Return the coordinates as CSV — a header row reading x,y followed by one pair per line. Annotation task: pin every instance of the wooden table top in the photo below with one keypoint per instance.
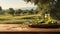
x,y
24,28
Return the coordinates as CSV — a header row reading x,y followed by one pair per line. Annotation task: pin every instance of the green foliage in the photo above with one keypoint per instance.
x,y
43,5
0,8
50,6
1,11
39,1
55,13
11,11
18,12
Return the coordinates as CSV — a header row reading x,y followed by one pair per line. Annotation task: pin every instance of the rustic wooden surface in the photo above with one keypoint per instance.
x,y
24,28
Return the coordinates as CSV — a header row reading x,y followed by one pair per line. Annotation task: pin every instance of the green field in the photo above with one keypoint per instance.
x,y
8,19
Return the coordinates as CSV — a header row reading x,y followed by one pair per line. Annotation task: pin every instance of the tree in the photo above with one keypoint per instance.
x,y
11,11
0,8
31,11
26,12
18,12
1,11
55,13
36,12
43,6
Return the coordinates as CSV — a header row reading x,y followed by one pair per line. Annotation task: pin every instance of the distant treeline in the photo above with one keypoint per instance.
x,y
17,12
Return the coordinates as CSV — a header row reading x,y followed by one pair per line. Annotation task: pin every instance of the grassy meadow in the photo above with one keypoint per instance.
x,y
9,19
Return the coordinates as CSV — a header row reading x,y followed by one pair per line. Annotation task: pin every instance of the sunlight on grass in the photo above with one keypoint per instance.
x,y
16,19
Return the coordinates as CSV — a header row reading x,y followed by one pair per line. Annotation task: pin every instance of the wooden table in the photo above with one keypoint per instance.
x,y
18,28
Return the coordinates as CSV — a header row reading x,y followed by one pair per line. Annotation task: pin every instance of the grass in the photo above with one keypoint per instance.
x,y
8,19
23,19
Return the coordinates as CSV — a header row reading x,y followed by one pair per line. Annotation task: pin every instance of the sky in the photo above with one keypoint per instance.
x,y
5,4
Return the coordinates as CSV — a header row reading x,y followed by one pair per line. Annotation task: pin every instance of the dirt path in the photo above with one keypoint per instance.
x,y
23,28
5,27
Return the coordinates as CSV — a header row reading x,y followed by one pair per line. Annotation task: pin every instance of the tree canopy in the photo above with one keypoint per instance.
x,y
42,5
50,6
